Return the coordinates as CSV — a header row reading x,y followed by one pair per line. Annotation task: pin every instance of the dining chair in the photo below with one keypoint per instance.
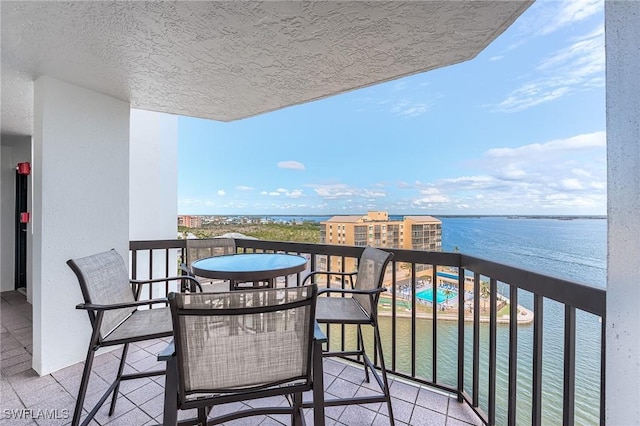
x,y
211,247
207,247
358,305
229,348
112,300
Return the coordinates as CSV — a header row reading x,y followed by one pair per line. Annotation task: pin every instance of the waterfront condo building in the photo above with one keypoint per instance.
x,y
375,229
190,221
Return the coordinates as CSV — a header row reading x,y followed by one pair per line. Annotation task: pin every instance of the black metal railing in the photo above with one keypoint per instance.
x,y
512,363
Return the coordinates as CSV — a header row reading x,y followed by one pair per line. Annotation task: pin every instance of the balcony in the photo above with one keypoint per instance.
x,y
50,399
515,366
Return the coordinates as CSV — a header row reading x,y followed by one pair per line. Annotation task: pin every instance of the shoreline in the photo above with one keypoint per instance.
x,y
525,316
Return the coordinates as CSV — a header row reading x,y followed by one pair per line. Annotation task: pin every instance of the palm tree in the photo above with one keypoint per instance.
x,y
447,293
485,291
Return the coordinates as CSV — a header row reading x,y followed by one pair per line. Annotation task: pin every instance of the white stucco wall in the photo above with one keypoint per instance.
x,y
81,206
15,149
153,192
622,32
153,199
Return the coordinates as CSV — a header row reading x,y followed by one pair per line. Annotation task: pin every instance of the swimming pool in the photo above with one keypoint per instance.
x,y
441,297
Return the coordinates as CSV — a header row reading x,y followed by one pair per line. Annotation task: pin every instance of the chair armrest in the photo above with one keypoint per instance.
x,y
167,353
351,274
94,307
354,291
318,334
186,270
160,280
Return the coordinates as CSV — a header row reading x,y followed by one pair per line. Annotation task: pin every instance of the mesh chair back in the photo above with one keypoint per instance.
x,y
235,341
104,280
371,267
198,249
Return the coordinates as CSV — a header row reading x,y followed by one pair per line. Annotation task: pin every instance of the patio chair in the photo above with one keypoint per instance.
x,y
112,302
229,348
359,305
210,247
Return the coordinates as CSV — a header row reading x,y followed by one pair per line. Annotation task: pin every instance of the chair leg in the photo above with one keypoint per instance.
x,y
84,383
385,381
202,416
297,415
361,346
318,385
170,416
114,398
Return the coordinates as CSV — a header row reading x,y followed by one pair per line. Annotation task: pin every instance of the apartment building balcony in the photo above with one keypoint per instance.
x,y
68,97
29,399
474,367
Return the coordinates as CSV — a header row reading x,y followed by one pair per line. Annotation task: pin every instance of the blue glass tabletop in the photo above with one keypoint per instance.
x,y
249,266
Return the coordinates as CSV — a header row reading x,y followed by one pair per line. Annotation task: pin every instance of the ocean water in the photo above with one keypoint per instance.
x,y
570,249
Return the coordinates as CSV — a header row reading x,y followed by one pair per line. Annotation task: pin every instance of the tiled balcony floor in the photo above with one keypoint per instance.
x,y
141,401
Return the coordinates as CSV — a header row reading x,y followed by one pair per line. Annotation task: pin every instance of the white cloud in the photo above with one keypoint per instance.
x,y
334,191
431,195
569,12
346,192
512,172
547,17
407,108
373,193
561,176
221,192
581,172
296,193
244,188
578,66
576,143
406,98
571,184
295,165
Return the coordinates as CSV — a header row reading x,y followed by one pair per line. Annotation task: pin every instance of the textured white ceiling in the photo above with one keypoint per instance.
x,y
230,60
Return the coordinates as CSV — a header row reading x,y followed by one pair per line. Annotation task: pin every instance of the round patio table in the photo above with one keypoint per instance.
x,y
249,267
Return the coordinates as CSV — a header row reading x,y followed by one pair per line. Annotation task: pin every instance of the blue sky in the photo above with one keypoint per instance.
x,y
520,129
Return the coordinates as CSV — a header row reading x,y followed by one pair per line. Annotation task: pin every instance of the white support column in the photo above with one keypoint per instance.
x,y
81,207
153,198
622,35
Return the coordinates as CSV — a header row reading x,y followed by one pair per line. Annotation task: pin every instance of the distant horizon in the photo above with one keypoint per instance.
x,y
595,216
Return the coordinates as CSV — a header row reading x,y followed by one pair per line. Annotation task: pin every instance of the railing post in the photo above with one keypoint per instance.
x,y
493,325
513,355
536,391
434,328
476,345
569,391
461,273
